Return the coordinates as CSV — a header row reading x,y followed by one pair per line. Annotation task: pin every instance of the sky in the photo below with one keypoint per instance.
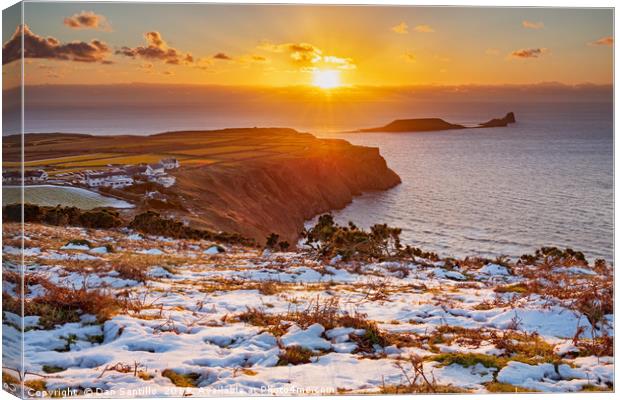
x,y
321,46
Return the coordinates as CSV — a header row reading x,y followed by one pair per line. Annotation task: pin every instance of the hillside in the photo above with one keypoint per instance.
x,y
252,181
112,309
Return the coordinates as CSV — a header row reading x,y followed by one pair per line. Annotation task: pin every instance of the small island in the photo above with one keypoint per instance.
x,y
437,124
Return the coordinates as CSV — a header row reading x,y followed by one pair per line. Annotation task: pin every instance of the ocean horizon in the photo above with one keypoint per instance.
x,y
545,181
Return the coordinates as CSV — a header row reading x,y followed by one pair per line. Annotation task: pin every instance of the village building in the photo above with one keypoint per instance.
x,y
114,179
134,170
30,176
164,180
11,177
170,163
155,169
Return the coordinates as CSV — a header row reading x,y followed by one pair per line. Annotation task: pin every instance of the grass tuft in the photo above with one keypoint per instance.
x,y
295,355
181,380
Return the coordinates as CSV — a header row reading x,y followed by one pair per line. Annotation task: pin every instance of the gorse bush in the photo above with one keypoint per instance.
x,y
350,242
63,216
554,255
153,223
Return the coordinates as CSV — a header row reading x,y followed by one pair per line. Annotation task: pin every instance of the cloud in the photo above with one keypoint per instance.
x,y
424,29
401,28
257,58
409,57
157,50
532,25
604,41
339,62
528,53
222,56
308,56
36,46
87,20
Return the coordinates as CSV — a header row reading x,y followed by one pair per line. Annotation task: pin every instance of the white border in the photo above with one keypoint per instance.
x,y
462,3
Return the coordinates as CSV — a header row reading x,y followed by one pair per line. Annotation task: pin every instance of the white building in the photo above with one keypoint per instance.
x,y
30,176
170,163
164,180
155,169
115,180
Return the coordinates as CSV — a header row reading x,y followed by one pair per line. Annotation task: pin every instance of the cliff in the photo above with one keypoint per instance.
x,y
266,196
499,122
252,181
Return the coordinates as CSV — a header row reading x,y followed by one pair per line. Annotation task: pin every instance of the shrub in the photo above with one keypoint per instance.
x,y
329,239
63,216
470,359
272,240
60,305
152,223
101,219
295,355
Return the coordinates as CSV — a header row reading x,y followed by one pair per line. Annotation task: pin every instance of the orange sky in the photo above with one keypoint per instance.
x,y
76,43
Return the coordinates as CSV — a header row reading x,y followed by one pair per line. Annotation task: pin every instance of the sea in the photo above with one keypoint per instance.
x,y
546,180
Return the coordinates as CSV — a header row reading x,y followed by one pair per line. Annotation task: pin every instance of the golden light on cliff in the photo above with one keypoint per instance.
x,y
326,78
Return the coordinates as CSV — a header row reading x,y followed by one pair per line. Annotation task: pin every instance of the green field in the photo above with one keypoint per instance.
x,y
49,195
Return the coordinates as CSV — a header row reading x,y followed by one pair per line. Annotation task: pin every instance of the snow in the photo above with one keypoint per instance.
x,y
99,250
466,377
494,269
553,321
213,250
309,338
518,373
190,320
442,273
16,251
574,270
153,252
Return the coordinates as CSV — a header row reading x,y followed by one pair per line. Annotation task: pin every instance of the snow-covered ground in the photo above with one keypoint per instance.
x,y
188,318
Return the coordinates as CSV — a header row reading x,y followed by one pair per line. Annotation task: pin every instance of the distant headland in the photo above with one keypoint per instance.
x,y
437,124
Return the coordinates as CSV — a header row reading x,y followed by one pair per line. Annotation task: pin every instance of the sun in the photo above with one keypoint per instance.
x,y
326,78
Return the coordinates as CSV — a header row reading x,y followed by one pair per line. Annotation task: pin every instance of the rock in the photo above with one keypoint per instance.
x,y
499,122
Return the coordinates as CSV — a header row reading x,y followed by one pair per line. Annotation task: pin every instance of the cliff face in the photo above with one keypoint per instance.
x,y
278,195
252,181
499,122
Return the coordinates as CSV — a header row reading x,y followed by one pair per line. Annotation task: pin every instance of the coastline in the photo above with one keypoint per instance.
x,y
251,181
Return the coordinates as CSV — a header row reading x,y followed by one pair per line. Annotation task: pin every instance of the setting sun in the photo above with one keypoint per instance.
x,y
326,78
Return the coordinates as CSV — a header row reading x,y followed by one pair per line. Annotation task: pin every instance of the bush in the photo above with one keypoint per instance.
x,y
329,239
60,305
63,216
100,219
152,223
